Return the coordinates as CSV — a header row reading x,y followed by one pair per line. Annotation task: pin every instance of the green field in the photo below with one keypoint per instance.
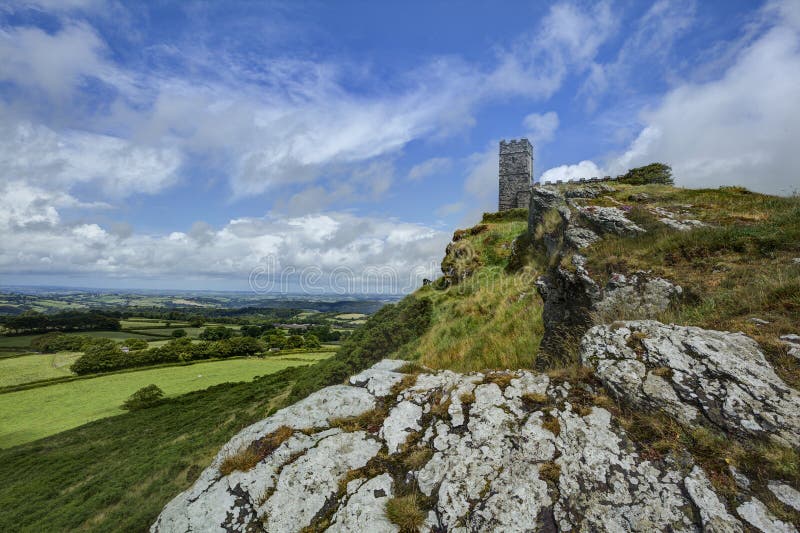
x,y
308,356
35,367
19,341
146,323
35,413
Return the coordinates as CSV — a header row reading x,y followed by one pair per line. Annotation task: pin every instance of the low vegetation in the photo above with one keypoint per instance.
x,y
405,513
148,396
117,473
490,319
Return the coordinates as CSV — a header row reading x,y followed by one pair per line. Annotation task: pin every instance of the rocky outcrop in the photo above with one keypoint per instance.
x,y
609,220
693,373
505,451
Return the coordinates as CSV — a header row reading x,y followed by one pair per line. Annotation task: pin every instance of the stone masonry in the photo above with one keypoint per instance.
x,y
516,173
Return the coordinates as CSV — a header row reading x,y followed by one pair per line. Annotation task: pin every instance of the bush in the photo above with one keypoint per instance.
x,y
657,173
509,215
178,333
58,342
143,398
216,333
100,357
135,344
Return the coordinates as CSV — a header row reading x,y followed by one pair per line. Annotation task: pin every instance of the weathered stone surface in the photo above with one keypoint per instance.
x,y
672,220
496,464
401,422
364,510
757,515
569,297
580,237
714,515
793,342
719,375
305,485
636,296
609,220
785,493
314,411
379,379
605,486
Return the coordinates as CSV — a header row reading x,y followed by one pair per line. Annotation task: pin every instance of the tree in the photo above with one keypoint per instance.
x,y
216,333
251,331
143,398
294,341
135,344
657,173
197,321
178,333
311,341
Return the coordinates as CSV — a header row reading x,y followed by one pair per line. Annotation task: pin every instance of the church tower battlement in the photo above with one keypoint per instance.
x,y
516,173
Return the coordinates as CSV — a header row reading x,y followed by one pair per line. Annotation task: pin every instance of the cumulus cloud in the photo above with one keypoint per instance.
x,y
430,167
541,127
741,128
584,169
39,155
38,241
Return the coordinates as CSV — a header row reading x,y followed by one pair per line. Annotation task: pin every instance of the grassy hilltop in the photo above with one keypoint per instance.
x,y
117,473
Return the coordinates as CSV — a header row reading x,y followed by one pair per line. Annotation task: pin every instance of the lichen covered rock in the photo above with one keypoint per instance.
x,y
506,451
691,372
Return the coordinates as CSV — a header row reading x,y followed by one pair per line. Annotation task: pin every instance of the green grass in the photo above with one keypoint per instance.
x,y
35,413
493,319
35,367
18,341
307,356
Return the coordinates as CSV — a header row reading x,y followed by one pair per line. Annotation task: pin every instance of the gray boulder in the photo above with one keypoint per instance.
x,y
691,372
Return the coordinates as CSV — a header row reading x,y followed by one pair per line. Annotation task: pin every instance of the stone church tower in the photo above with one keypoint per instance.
x,y
516,173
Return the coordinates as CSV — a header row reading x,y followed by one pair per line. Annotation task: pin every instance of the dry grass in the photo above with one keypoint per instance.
x,y
243,460
551,424
467,398
550,471
501,379
534,400
405,512
417,458
371,421
249,456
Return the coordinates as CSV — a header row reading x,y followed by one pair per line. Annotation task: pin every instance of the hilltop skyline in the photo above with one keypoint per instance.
x,y
182,145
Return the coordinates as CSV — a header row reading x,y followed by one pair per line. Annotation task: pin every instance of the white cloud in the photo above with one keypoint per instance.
x,y
286,121
430,167
584,169
740,129
39,156
541,127
34,241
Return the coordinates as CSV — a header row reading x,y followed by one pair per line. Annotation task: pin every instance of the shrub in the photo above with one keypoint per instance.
x,y
405,512
143,398
508,215
135,344
216,333
658,173
58,342
178,333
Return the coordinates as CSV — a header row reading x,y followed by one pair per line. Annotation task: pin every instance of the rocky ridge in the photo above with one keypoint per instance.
x,y
503,451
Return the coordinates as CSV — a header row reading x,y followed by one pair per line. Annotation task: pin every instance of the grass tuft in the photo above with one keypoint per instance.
x,y
405,512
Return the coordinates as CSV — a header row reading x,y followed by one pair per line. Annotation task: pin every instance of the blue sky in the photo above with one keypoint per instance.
x,y
184,144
